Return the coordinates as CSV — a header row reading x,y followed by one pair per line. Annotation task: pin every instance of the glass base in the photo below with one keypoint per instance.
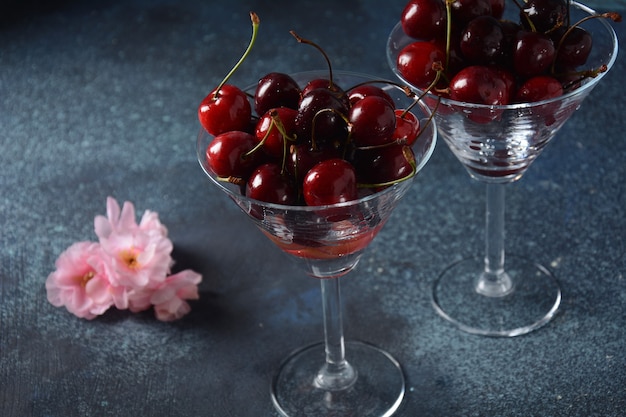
x,y
378,390
531,302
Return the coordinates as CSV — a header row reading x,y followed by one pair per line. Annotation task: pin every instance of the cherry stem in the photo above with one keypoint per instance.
x,y
232,180
592,73
255,30
448,30
319,48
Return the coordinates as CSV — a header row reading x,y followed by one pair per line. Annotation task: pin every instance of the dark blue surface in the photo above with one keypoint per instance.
x,y
99,98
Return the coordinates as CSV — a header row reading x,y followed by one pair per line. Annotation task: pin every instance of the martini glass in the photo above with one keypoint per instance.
x,y
496,144
333,377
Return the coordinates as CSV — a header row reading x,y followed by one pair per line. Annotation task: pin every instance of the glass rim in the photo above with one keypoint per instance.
x,y
391,58
200,154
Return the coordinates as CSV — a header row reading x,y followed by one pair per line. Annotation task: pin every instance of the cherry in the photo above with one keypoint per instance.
x,y
465,10
481,85
372,122
225,110
323,83
384,166
416,62
407,127
541,87
276,90
573,47
302,157
483,41
424,19
229,154
272,128
227,107
320,118
544,15
361,91
331,181
268,183
533,54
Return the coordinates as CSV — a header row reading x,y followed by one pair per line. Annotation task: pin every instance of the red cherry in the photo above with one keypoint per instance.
x,y
364,90
574,48
320,117
541,87
372,121
227,155
407,127
480,85
302,158
424,19
534,53
267,183
415,63
267,130
276,90
227,110
329,182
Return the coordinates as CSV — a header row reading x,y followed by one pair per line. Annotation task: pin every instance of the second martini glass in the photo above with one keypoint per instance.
x,y
496,144
333,377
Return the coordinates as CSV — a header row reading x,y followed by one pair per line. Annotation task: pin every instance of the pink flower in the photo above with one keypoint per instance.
x,y
169,298
140,254
128,268
81,281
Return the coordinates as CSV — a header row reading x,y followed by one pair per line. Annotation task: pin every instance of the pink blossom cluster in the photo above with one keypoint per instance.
x,y
129,268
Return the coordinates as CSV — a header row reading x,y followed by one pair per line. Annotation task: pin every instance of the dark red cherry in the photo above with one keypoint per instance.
x,y
483,41
480,85
324,83
267,183
276,90
227,110
385,165
415,62
465,10
320,118
424,19
545,15
270,127
331,181
228,154
302,158
372,122
573,47
533,54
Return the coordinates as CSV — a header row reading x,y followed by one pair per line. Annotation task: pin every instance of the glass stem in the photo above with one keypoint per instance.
x,y
494,281
336,374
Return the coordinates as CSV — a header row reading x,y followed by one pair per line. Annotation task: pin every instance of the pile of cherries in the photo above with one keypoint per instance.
x,y
466,51
315,144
